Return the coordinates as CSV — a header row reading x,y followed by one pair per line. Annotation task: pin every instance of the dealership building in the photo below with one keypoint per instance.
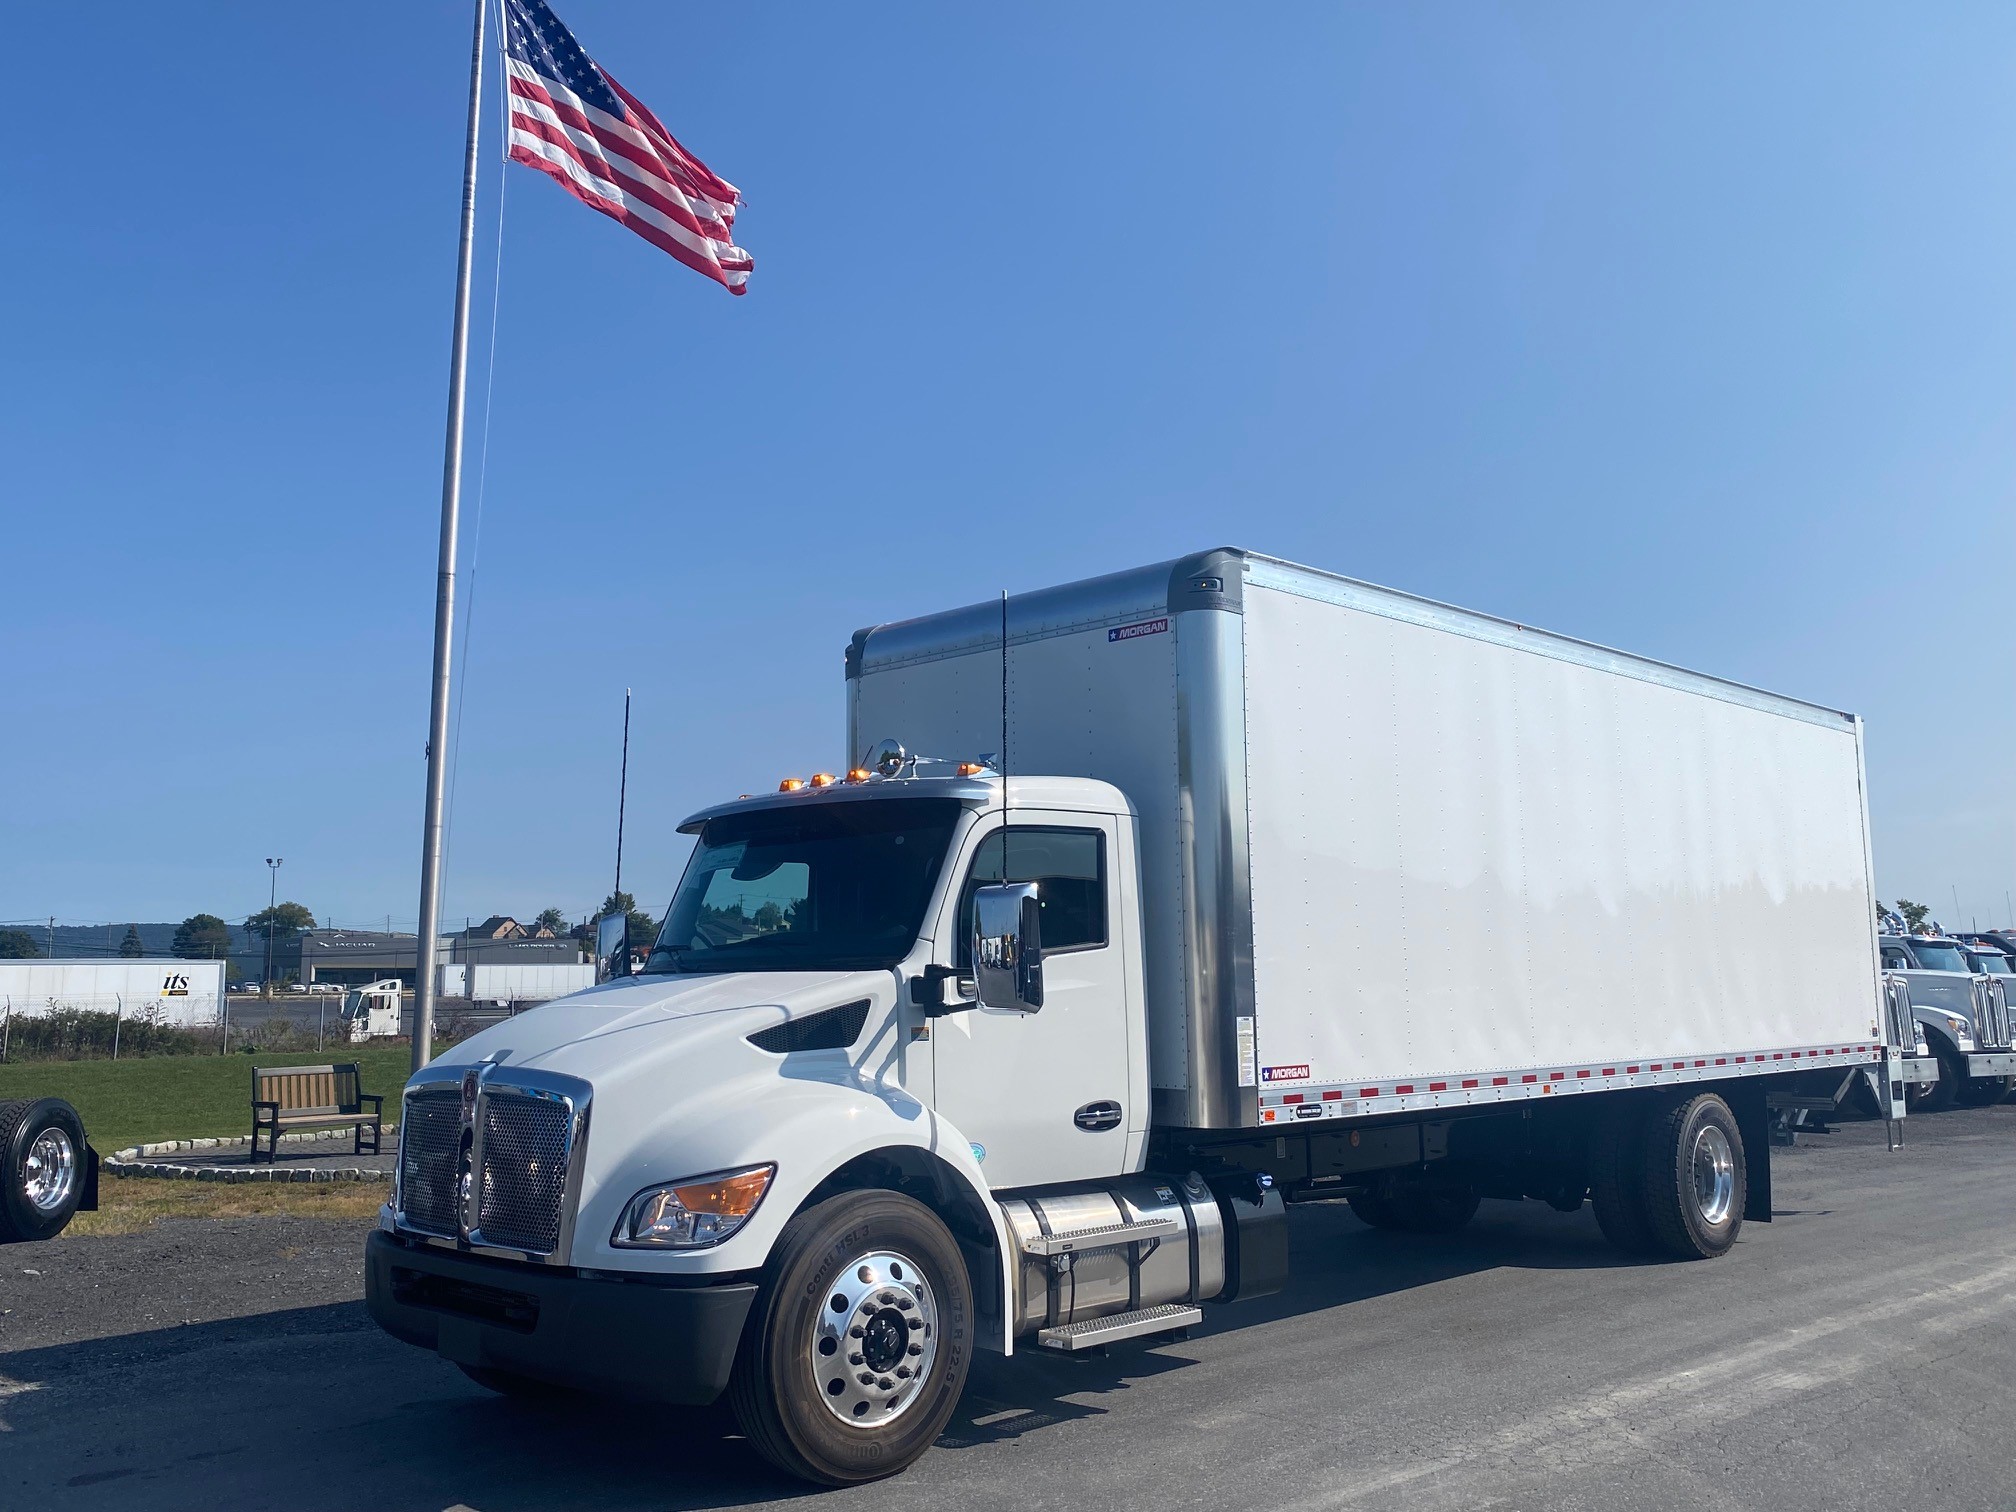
x,y
355,956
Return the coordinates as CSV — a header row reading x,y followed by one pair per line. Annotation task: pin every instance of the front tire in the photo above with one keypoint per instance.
x,y
857,1350
1943,1093
44,1167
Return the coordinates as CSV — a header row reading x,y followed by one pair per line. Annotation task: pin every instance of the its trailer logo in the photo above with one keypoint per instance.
x,y
1284,1073
175,984
1136,631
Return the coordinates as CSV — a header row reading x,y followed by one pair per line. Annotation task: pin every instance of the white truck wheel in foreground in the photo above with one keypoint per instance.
x,y
44,1167
1694,1178
858,1349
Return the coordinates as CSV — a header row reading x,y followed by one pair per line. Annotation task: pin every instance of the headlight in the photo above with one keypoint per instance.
x,y
694,1213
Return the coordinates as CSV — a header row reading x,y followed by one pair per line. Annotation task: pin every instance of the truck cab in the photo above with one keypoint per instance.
x,y
1964,1014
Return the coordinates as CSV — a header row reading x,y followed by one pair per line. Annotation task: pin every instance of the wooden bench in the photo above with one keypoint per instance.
x,y
293,1097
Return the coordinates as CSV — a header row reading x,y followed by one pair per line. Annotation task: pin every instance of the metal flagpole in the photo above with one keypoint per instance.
x,y
622,791
444,591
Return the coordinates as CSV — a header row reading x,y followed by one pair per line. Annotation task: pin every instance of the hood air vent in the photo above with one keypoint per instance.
x,y
829,1029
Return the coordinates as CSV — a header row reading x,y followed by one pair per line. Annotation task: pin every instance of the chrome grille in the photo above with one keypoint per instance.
x,y
524,1143
430,1150
1903,1022
1991,1014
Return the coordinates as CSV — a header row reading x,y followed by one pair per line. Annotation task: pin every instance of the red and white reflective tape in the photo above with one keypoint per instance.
x,y
1319,1100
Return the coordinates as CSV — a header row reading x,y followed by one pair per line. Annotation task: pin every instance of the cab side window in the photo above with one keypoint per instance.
x,y
1895,959
1069,866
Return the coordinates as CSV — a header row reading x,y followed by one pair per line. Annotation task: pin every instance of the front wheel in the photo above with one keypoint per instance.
x,y
858,1347
44,1167
1942,1094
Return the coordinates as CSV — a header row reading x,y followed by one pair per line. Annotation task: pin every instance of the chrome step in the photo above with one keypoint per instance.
x,y
1105,1236
1116,1326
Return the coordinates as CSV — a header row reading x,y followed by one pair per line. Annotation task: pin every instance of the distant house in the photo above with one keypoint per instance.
x,y
496,927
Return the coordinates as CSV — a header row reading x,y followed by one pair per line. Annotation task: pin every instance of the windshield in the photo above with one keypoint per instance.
x,y
1933,956
826,887
1991,961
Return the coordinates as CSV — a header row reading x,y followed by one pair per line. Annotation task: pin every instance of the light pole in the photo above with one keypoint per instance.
x,y
272,894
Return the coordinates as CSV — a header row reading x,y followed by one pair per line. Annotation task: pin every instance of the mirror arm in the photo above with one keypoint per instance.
x,y
928,991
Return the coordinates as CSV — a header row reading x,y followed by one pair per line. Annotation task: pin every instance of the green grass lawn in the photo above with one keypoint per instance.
x,y
132,1102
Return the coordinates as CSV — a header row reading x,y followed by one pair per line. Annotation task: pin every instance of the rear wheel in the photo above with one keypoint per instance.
x,y
1615,1190
44,1166
1694,1178
858,1347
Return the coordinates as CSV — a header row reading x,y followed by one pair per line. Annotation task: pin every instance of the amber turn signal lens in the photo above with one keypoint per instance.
x,y
822,779
729,1197
971,768
857,774
790,784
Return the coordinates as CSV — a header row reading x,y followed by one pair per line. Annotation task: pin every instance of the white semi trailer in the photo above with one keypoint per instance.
x,y
1294,889
187,994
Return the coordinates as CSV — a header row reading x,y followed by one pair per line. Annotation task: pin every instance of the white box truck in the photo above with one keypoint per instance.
x,y
186,994
1294,889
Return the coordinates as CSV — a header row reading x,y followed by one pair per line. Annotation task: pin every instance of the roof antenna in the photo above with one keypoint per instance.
x,y
1004,729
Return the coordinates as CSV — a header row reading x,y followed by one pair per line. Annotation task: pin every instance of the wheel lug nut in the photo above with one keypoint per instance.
x,y
902,1372
855,1332
886,1384
915,1322
916,1349
866,1378
906,1304
854,1359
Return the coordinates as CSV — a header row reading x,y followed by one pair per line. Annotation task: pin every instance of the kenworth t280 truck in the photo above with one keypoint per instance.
x,y
1142,910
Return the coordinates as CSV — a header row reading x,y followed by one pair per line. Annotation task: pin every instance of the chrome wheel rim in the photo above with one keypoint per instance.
x,y
1714,1175
51,1171
875,1339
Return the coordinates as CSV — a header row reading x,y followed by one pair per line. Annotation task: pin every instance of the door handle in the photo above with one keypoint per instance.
x,y
1096,1117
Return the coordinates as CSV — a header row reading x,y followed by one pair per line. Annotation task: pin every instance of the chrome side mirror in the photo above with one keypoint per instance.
x,y
612,947
1008,947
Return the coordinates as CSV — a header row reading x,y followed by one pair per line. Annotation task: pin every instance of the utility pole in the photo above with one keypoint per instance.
x,y
272,900
52,937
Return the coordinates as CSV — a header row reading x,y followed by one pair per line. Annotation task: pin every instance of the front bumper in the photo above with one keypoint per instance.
x,y
1919,1070
1992,1063
672,1344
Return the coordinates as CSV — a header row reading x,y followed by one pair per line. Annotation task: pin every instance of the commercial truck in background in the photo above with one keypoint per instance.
x,y
1963,1014
1143,910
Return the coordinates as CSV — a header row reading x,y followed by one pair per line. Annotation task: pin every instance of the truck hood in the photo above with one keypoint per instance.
x,y
591,1033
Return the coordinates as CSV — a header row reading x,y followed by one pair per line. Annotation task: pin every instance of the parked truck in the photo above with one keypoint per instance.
x,y
1964,1015
1145,909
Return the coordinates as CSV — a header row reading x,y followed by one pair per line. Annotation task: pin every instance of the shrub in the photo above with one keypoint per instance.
x,y
82,1034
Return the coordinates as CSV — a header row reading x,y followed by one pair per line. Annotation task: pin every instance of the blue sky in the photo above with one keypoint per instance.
x,y
1688,333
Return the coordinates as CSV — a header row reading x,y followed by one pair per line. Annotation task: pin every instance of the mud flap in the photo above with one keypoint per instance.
x,y
1753,1122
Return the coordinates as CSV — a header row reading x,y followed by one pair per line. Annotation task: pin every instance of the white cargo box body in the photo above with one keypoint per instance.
x,y
528,983
1398,855
189,994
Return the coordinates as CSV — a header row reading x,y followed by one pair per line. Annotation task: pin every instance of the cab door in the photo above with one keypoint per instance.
x,y
1043,1096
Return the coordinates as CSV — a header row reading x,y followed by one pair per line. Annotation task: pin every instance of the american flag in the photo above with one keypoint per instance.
x,y
571,120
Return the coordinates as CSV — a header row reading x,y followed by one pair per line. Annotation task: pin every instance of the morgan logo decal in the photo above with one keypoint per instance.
x,y
1136,630
1284,1073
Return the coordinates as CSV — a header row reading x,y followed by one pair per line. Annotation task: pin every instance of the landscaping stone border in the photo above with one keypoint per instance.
x,y
144,1160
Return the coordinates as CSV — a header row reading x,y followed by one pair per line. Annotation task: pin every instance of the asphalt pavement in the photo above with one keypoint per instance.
x,y
1859,1352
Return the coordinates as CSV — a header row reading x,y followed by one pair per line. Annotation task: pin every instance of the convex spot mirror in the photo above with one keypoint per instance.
x,y
1008,947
